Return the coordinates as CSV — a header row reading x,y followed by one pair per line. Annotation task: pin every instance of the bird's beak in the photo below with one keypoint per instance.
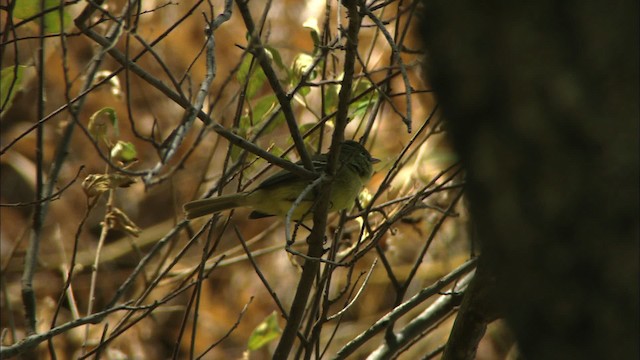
x,y
375,161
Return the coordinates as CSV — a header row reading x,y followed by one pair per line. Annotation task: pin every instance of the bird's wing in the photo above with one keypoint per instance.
x,y
284,176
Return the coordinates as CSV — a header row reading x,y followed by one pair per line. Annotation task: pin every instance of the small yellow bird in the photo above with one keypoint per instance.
x,y
276,194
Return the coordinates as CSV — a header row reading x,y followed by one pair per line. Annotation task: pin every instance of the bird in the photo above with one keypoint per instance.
x,y
276,195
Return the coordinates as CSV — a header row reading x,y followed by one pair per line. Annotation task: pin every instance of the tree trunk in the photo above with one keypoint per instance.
x,y
542,103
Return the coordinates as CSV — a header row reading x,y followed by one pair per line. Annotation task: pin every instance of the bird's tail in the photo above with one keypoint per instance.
x,y
197,208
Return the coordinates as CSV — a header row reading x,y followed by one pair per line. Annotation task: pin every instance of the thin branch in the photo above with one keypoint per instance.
x,y
398,59
52,197
443,306
39,213
144,261
183,102
32,341
477,310
404,308
226,335
260,53
272,292
315,239
357,295
170,147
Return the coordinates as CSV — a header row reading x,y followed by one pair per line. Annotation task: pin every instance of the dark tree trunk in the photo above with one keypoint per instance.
x,y
542,103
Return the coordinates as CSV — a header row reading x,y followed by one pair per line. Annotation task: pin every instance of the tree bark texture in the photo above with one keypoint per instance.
x,y
542,103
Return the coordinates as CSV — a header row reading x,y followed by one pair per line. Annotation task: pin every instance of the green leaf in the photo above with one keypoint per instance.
x,y
331,95
312,25
302,63
277,121
25,9
114,83
256,113
244,125
243,70
263,108
259,112
99,124
304,91
10,83
235,152
267,331
361,86
275,56
360,107
243,132
252,75
311,140
124,152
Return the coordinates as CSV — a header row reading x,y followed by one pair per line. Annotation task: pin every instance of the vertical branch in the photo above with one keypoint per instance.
x,y
107,223
315,240
344,97
28,295
476,311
